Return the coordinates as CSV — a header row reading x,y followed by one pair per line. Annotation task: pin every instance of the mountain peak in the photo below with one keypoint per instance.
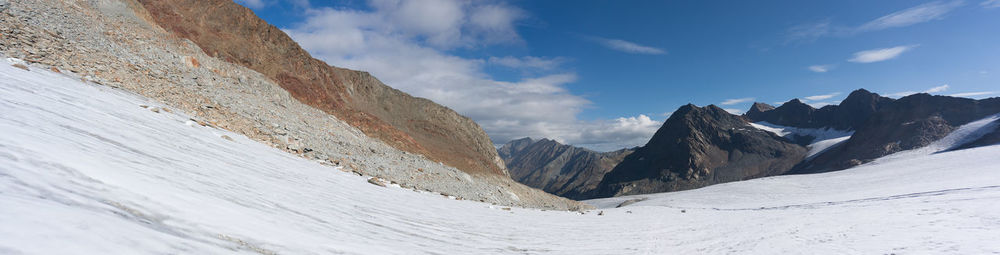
x,y
762,107
525,139
757,109
794,102
860,91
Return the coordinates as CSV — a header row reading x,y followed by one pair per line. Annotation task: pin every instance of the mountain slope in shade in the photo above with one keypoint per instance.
x,y
697,147
233,33
556,168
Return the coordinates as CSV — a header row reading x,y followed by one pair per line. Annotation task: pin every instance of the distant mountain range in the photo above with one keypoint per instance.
x,y
558,168
701,146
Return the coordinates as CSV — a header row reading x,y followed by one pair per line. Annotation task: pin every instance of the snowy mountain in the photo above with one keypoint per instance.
x,y
85,169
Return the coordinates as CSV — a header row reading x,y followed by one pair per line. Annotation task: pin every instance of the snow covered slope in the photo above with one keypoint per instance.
x,y
85,170
824,138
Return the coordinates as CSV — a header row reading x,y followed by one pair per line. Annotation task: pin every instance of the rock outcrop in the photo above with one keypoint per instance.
x,y
556,168
228,31
697,147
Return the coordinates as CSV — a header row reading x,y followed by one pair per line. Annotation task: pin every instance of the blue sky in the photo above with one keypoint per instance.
x,y
605,74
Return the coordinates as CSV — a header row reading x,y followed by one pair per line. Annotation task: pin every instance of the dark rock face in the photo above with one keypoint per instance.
x,y
908,123
848,115
757,110
697,147
557,168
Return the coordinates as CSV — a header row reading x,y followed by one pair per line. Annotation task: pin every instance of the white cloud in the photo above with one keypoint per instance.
x,y
736,101
252,4
809,32
937,89
973,94
877,55
820,68
821,97
902,94
733,111
616,134
933,90
817,101
528,62
628,47
989,4
405,44
821,104
914,15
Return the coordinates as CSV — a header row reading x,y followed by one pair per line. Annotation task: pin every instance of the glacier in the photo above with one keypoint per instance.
x,y
84,169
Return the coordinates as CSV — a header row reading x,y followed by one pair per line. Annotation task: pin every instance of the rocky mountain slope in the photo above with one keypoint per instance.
x,y
556,168
848,115
907,123
228,31
116,43
881,125
702,146
697,147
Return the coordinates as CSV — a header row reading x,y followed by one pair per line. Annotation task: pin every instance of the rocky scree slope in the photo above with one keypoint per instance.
x,y
697,147
226,30
557,168
117,44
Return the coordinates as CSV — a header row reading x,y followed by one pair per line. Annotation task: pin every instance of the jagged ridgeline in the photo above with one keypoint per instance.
x,y
701,146
557,168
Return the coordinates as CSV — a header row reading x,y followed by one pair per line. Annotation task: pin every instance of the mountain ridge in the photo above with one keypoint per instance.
x,y
231,32
697,147
560,169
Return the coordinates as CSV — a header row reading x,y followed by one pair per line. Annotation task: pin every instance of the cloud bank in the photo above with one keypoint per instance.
x,y
406,44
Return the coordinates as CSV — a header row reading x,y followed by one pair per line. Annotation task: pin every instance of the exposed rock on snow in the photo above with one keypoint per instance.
x,y
376,181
